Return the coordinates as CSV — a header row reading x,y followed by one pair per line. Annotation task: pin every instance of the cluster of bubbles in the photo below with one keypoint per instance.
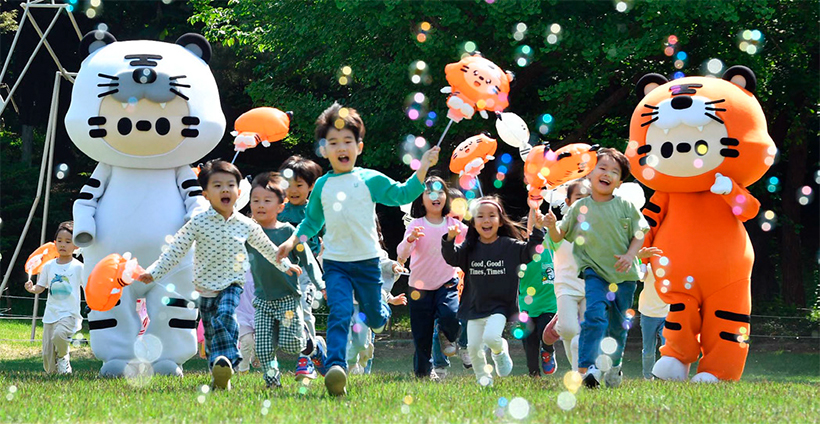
x,y
415,106
750,41
303,389
743,338
12,390
77,340
405,404
502,170
805,195
519,31
545,123
204,390
423,31
62,171
554,34
622,6
523,55
413,147
524,326
266,404
468,48
138,373
345,76
773,185
420,73
767,219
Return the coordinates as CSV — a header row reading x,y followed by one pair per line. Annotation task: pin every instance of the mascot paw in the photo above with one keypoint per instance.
x,y
704,377
669,368
167,367
113,368
723,185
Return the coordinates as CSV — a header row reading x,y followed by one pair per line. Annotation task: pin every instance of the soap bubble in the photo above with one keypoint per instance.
x,y
147,348
603,362
566,401
609,345
519,408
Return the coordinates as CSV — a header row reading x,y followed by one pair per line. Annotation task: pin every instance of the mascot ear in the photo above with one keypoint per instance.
x,y
649,82
197,44
741,76
94,41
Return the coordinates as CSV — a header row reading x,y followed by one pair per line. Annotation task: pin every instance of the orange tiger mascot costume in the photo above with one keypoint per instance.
x,y
698,142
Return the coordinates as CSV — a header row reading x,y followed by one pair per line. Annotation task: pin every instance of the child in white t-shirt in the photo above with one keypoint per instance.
x,y
62,277
653,316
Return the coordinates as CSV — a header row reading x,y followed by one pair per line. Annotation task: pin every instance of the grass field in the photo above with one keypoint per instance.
x,y
779,385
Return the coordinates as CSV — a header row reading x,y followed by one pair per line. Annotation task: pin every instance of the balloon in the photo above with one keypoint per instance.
x,y
512,129
471,155
107,279
545,168
476,84
244,194
36,261
631,192
261,125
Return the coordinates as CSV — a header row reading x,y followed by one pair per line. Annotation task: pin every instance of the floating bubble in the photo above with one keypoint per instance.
x,y
204,389
609,345
194,295
523,55
200,398
499,412
147,348
610,296
805,195
485,381
714,66
337,206
405,409
408,400
502,402
573,380
488,369
415,105
630,313
552,39
613,287
9,397
603,363
566,401
669,50
519,408
469,47
415,295
660,273
170,287
750,41
580,240
12,389
90,13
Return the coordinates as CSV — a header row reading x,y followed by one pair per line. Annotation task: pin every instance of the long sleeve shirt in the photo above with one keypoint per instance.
x,y
294,215
491,273
346,203
428,270
273,284
220,257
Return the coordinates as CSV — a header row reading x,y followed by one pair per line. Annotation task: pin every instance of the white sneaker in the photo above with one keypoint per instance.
x,y
503,362
63,365
592,378
441,372
221,373
613,377
366,355
465,359
356,369
336,381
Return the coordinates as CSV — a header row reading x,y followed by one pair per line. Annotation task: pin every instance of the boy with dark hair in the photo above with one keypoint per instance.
x,y
301,175
278,317
607,241
220,261
346,200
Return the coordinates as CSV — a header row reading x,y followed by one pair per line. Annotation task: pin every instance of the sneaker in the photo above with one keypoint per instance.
x,y
448,348
548,364
592,378
613,377
440,372
305,369
276,383
221,373
319,355
366,355
63,365
379,330
356,369
465,359
336,380
503,362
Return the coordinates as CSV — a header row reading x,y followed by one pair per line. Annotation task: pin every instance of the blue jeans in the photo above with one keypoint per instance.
x,y
344,280
603,318
220,324
441,304
439,360
651,329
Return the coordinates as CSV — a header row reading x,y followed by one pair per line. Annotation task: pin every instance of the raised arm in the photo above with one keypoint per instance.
x,y
85,207
452,254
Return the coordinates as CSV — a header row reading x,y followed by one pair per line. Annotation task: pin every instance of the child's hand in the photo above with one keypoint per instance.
x,y
453,232
146,278
430,157
550,219
398,268
418,232
324,294
648,252
293,269
538,219
624,263
29,286
399,300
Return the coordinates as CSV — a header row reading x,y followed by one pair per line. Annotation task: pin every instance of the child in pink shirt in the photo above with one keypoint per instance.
x,y
433,283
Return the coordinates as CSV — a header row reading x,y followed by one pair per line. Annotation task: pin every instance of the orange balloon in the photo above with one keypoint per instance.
x,y
36,261
476,84
108,278
471,155
261,125
547,169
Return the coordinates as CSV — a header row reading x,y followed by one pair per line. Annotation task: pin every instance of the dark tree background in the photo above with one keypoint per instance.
x,y
576,61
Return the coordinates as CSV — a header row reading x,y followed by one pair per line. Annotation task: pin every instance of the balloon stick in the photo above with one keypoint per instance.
x,y
445,133
235,156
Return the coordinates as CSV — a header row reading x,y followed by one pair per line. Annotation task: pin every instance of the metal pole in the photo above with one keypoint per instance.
x,y
13,44
48,47
30,59
51,132
74,24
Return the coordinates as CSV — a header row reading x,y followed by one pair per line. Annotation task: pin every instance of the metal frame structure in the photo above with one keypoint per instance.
x,y
47,161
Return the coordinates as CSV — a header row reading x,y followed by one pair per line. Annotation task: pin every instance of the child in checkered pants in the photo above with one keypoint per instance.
x,y
278,319
220,258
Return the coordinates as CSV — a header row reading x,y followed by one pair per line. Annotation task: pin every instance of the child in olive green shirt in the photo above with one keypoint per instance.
x,y
536,299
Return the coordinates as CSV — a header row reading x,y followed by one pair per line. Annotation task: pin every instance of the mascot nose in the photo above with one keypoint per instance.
x,y
144,76
682,102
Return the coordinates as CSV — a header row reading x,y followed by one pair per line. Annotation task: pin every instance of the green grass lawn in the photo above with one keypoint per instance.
x,y
779,385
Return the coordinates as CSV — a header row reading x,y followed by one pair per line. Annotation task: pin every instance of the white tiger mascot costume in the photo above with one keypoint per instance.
x,y
144,110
